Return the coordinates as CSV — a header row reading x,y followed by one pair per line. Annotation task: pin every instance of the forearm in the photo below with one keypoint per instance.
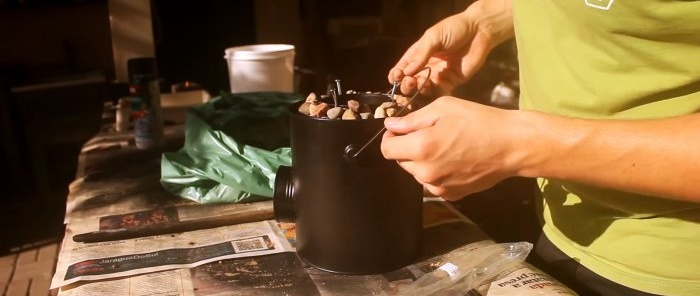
x,y
658,157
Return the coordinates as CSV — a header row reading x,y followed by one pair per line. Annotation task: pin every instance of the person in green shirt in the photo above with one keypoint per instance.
x,y
608,123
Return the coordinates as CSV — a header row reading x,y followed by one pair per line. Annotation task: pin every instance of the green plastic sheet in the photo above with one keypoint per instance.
x,y
234,144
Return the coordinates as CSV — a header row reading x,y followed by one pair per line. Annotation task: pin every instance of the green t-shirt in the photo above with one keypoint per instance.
x,y
616,59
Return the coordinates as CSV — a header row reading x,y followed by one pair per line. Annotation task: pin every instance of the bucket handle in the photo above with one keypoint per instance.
x,y
351,151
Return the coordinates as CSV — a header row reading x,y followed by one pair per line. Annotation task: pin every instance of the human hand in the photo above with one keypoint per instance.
x,y
454,48
453,147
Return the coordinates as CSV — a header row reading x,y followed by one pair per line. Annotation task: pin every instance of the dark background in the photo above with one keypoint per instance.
x,y
67,45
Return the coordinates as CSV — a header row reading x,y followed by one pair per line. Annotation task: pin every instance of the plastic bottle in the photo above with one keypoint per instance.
x,y
144,90
123,115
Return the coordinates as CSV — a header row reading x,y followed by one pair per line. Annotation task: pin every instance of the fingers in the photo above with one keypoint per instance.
x,y
397,73
427,193
475,58
398,147
414,136
435,190
410,123
415,58
406,136
409,84
441,191
431,189
413,62
425,85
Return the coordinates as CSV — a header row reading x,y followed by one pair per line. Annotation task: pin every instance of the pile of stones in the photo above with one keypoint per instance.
x,y
399,105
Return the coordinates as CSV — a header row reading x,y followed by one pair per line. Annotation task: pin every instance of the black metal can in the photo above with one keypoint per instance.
x,y
354,214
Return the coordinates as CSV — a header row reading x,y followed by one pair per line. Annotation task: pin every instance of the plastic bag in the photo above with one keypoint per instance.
x,y
468,267
233,146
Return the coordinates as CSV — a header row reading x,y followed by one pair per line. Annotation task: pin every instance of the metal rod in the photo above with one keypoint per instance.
x,y
337,86
393,90
335,98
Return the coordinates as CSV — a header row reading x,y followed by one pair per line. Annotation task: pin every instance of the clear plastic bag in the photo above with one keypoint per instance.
x,y
468,267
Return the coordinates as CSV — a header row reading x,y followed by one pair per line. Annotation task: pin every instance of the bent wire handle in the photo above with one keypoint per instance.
x,y
351,152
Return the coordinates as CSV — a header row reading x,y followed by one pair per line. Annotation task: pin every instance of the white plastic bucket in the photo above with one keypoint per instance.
x,y
262,67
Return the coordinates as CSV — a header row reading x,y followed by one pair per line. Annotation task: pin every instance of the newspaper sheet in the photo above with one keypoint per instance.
x,y
104,260
86,268
169,282
284,273
128,257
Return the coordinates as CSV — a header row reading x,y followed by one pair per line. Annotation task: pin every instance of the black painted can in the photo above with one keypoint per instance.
x,y
353,215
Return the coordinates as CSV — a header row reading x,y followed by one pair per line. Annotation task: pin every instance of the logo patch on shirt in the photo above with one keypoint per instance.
x,y
600,4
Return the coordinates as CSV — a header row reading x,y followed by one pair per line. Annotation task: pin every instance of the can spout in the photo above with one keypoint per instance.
x,y
284,195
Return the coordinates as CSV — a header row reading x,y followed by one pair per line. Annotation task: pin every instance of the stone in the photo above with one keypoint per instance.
x,y
318,110
354,105
334,113
391,112
387,105
349,115
304,108
311,98
379,112
403,101
315,107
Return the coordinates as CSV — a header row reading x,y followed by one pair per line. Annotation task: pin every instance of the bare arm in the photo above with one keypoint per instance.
x,y
456,147
659,157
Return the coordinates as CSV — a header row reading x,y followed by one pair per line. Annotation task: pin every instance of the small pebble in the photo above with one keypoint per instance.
x,y
387,105
304,108
403,101
349,115
354,105
334,113
379,112
318,110
311,98
316,107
